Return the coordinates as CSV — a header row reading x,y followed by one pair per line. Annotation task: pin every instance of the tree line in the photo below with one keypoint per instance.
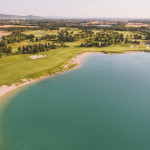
x,y
36,48
107,38
16,37
104,39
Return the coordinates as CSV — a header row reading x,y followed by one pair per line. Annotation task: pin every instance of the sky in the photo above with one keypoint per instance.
x,y
78,8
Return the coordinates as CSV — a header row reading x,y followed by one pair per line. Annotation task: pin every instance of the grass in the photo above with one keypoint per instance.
x,y
17,67
24,43
4,33
9,26
40,33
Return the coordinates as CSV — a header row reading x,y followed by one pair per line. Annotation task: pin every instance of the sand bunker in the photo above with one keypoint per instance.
x,y
37,56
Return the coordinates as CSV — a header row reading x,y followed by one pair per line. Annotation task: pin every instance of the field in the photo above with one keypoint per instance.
x,y
24,43
17,67
40,33
137,25
9,26
3,33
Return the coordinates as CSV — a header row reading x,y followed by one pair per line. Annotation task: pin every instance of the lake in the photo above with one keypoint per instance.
x,y
103,105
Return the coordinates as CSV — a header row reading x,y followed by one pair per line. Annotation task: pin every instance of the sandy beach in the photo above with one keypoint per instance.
x,y
79,58
76,60
6,89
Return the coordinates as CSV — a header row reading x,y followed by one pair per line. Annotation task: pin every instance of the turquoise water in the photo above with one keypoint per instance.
x,y
104,105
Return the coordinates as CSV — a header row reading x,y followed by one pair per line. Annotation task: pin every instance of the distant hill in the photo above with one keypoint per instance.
x,y
14,17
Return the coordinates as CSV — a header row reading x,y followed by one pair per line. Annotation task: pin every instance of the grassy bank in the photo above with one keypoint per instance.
x,y
17,67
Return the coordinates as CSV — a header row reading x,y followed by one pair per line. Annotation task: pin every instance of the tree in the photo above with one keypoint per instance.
x,y
1,52
32,40
19,50
126,41
36,39
3,43
9,50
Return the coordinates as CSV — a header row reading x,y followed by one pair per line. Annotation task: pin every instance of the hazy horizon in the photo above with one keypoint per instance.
x,y
78,8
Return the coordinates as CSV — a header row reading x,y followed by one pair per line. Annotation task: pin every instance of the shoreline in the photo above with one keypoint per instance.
x,y
4,90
